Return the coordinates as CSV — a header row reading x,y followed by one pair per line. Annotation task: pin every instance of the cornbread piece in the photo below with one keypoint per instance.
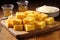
x,y
43,16
17,21
49,20
33,15
36,25
20,15
18,27
38,17
9,23
28,12
36,12
28,20
29,27
40,25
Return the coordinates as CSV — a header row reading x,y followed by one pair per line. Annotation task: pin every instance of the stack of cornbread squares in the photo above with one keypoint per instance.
x,y
29,21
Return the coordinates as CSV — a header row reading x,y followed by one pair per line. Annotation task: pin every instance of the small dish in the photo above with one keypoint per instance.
x,y
50,10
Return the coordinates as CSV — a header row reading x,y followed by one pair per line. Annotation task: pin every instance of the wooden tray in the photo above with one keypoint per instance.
x,y
25,35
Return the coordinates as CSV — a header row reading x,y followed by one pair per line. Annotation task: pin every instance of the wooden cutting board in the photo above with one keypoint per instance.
x,y
25,35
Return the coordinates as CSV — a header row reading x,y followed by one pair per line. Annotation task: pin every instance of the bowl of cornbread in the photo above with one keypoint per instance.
x,y
29,21
50,10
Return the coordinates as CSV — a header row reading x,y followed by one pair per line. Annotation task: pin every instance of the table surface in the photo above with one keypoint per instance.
x,y
52,36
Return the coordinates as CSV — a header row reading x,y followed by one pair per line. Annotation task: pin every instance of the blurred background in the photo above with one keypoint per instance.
x,y
34,3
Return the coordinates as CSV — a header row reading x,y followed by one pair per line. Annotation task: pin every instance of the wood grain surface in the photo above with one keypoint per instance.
x,y
26,35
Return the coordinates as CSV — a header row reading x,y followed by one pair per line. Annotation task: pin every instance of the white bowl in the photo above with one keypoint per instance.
x,y
50,10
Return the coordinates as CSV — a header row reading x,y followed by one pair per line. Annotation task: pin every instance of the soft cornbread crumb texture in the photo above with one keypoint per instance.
x,y
29,27
32,14
20,15
31,20
18,27
40,25
9,23
28,20
17,21
41,17
49,20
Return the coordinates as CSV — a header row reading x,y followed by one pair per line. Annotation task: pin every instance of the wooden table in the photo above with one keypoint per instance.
x,y
5,35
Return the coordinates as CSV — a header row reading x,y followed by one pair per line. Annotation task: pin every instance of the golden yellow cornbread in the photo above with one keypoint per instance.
x,y
41,17
49,20
17,21
36,12
38,17
20,15
9,23
33,15
40,25
18,27
28,12
28,20
29,27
